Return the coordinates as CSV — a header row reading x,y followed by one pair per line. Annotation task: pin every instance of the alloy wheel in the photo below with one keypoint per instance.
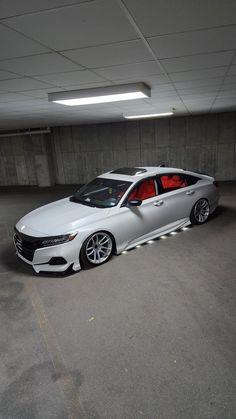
x,y
98,248
201,210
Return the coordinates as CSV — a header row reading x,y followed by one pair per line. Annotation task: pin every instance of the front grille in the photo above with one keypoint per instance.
x,y
26,245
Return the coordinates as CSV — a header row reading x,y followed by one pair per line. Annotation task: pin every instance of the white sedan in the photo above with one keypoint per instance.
x,y
115,212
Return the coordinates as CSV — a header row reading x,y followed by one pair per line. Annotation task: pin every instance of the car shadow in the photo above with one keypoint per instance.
x,y
10,263
227,215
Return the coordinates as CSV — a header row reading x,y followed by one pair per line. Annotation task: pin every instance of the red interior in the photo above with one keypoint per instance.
x,y
145,190
173,181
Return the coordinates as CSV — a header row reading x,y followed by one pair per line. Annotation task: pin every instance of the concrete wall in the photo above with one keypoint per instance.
x,y
26,160
204,143
76,154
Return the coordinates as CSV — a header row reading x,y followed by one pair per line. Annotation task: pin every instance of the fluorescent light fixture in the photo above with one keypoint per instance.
x,y
148,115
96,95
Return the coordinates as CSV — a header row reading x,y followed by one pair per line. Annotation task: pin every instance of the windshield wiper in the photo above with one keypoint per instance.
x,y
81,201
73,198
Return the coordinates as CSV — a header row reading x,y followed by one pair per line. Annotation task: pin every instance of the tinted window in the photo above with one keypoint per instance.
x,y
191,180
145,189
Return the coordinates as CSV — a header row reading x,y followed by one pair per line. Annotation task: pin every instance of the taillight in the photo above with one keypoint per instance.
x,y
216,183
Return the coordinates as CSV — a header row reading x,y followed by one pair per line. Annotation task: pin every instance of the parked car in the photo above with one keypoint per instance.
x,y
115,212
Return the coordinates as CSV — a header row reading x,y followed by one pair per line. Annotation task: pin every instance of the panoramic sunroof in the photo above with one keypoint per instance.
x,y
130,171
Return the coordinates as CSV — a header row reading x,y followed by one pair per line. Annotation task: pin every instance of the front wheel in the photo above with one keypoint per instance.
x,y
200,212
96,249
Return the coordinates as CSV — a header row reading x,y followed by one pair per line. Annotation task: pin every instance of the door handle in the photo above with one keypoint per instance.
x,y
158,203
190,192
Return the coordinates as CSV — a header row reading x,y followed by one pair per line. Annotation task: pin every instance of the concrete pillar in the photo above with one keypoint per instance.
x,y
43,159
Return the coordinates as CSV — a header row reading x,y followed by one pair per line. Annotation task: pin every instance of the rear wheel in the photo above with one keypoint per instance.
x,y
96,249
200,212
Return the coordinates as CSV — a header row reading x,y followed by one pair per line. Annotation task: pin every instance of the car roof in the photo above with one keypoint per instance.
x,y
141,172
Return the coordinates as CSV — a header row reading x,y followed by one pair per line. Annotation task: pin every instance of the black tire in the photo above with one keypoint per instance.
x,y
200,212
97,249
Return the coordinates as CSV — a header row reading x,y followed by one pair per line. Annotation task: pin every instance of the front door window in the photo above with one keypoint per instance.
x,y
144,190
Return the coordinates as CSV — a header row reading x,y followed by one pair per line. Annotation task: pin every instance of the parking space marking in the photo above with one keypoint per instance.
x,y
64,378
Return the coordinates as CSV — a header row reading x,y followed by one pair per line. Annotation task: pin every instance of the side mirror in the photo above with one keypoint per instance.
x,y
135,202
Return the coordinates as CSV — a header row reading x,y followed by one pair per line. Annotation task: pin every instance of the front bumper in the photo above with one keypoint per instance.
x,y
42,259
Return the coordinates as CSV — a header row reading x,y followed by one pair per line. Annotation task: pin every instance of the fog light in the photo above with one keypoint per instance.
x,y
57,261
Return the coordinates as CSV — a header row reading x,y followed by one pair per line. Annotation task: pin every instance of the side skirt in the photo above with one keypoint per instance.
x,y
154,234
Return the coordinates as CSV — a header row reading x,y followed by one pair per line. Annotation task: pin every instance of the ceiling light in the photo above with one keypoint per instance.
x,y
148,115
101,94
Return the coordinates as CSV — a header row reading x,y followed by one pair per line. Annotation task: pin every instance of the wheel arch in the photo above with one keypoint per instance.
x,y
112,237
199,199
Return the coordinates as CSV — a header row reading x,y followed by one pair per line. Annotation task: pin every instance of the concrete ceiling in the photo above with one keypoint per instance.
x,y
184,49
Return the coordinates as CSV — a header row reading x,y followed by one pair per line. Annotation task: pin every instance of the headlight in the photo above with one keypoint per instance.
x,y
52,241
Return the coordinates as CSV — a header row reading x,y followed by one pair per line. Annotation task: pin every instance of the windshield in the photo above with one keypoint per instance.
x,y
101,193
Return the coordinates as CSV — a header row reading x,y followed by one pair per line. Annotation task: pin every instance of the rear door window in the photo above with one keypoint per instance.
x,y
173,181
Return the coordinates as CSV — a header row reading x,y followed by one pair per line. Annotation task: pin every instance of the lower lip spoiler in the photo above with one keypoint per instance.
x,y
45,267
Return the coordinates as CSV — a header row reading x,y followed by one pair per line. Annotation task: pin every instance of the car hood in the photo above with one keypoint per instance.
x,y
60,217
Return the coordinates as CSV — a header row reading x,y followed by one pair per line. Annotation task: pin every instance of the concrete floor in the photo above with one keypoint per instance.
x,y
151,334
